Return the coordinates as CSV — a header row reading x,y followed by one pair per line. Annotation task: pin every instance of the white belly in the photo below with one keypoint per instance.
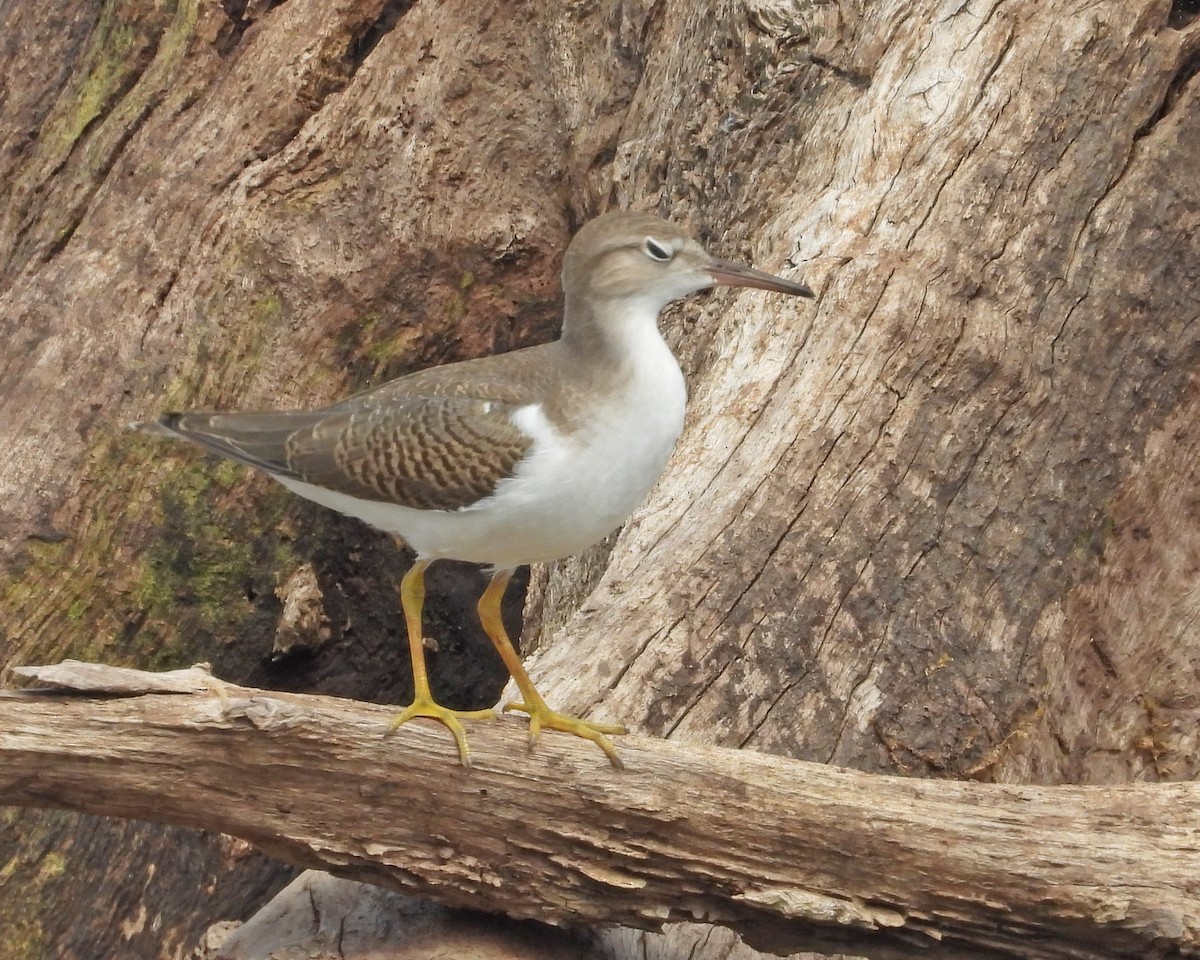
x,y
568,493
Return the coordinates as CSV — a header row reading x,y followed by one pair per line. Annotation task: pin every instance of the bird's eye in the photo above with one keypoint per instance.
x,y
657,251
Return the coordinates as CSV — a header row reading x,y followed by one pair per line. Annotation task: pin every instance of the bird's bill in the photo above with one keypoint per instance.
x,y
736,275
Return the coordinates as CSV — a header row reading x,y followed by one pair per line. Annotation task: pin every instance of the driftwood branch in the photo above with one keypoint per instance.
x,y
791,855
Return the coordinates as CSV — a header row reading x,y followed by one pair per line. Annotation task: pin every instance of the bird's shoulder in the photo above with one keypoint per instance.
x,y
507,380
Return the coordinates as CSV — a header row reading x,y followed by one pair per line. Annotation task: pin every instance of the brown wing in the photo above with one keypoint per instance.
x,y
431,453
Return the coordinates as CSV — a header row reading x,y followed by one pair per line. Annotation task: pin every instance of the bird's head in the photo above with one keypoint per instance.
x,y
636,257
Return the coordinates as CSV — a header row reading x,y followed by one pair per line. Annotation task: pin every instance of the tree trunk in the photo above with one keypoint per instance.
x,y
944,524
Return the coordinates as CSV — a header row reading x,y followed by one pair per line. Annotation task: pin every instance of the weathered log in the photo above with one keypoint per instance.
x,y
791,855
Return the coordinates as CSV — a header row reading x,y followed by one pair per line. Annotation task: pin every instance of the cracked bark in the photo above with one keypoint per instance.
x,y
944,526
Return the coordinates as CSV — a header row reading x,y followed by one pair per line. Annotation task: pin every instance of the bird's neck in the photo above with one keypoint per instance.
x,y
613,357
612,332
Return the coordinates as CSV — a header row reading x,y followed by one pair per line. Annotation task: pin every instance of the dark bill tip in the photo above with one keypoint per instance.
x,y
736,275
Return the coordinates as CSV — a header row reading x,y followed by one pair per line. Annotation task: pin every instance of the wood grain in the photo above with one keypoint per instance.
x,y
791,855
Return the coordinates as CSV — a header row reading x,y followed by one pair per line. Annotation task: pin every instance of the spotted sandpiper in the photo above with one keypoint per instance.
x,y
522,457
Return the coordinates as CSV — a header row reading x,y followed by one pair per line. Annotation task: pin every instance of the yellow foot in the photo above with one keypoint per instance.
x,y
422,707
542,718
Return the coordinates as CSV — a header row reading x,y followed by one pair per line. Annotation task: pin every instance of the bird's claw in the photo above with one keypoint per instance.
x,y
422,707
542,717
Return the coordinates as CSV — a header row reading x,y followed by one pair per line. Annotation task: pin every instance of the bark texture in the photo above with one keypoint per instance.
x,y
945,524
888,534
790,855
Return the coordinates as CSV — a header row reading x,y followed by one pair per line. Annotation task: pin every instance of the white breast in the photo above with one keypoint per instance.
x,y
573,490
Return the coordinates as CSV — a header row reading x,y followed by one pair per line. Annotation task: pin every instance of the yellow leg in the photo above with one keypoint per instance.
x,y
540,715
412,599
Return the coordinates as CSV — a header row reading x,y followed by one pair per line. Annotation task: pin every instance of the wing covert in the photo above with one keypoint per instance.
x,y
429,453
